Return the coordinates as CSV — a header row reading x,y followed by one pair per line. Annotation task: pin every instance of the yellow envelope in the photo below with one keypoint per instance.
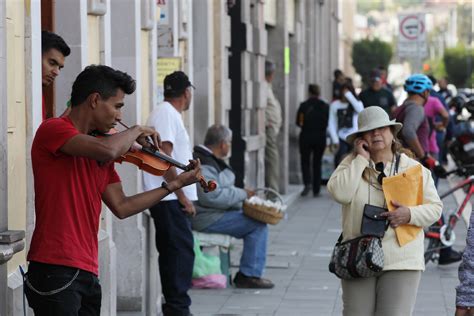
x,y
407,189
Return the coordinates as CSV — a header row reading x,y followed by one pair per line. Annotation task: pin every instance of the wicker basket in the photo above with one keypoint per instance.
x,y
262,213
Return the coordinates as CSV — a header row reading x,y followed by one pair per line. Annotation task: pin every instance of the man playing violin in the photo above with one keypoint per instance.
x,y
174,238
73,173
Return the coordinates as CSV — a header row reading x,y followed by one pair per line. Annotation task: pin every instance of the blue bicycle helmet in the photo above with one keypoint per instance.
x,y
417,83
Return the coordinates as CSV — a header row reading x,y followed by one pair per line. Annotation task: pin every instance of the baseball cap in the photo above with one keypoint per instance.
x,y
375,75
176,82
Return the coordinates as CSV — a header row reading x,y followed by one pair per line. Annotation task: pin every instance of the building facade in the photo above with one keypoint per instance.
x,y
221,44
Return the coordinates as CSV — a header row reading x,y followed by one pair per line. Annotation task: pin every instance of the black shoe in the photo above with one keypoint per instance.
x,y
447,257
306,191
315,194
245,282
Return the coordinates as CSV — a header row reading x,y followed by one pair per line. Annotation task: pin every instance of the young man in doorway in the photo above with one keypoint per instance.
x,y
54,51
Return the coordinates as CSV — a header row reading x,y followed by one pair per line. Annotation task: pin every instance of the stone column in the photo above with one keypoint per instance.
x,y
335,21
277,43
310,39
129,234
3,154
107,248
221,62
71,25
33,103
298,88
248,95
203,51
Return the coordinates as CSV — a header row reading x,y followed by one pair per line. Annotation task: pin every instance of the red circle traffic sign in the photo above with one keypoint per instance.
x,y
409,23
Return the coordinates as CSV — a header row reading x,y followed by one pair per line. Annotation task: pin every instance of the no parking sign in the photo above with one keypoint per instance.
x,y
412,35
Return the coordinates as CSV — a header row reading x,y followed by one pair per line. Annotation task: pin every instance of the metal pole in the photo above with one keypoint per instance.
x,y
418,55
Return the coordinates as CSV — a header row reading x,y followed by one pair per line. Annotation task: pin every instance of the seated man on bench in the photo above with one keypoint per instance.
x,y
220,211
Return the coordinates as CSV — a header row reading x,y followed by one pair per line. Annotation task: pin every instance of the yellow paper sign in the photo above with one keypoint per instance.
x,y
287,60
165,66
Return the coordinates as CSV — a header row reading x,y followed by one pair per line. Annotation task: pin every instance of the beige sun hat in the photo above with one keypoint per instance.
x,y
371,118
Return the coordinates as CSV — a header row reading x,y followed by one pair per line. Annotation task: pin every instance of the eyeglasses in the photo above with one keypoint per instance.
x,y
379,166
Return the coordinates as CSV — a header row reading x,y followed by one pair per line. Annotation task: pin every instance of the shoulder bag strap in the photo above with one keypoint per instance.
x,y
397,163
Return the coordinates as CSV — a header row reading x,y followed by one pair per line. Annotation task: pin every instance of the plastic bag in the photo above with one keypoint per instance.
x,y
212,281
204,264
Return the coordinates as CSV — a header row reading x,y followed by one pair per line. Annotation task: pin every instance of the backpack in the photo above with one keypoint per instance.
x,y
399,116
344,117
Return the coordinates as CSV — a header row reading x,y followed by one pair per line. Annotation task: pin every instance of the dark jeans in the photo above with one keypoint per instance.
x,y
344,149
82,297
174,242
312,145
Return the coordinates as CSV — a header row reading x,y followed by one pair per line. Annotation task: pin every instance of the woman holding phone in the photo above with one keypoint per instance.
x,y
357,181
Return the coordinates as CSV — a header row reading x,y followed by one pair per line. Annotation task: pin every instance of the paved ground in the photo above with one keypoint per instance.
x,y
298,256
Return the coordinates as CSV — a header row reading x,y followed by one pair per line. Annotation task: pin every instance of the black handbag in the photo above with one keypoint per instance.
x,y
372,223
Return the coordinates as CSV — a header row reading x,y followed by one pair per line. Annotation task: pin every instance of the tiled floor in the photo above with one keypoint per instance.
x,y
298,255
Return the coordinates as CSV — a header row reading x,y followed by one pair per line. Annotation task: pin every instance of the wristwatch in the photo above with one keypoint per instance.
x,y
164,185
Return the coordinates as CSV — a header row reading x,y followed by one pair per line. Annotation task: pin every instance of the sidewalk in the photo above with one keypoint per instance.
x,y
298,256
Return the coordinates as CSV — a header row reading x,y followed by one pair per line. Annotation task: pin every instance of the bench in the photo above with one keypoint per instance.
x,y
217,244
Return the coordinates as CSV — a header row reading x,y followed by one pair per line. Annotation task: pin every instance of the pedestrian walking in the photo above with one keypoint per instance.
x,y
343,121
377,94
337,84
312,117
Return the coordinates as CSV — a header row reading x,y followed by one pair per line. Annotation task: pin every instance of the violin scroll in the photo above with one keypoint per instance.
x,y
208,186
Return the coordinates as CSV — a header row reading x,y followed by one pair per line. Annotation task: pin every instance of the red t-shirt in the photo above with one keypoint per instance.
x,y
68,192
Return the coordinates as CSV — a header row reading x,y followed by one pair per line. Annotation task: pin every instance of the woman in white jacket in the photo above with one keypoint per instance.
x,y
394,291
343,121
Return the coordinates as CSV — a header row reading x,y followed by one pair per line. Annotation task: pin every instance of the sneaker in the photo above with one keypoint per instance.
x,y
242,281
306,191
449,257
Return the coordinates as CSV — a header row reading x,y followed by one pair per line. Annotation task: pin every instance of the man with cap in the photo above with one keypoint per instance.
x,y
174,238
376,94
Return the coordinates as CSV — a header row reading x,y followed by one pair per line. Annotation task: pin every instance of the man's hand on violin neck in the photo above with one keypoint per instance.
x,y
191,176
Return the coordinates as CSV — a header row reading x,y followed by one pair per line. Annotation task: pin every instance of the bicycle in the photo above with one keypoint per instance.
x,y
441,235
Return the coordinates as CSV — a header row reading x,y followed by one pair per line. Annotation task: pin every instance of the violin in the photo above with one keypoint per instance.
x,y
151,160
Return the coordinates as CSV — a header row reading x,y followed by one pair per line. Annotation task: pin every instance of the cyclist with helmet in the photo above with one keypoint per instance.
x,y
416,131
